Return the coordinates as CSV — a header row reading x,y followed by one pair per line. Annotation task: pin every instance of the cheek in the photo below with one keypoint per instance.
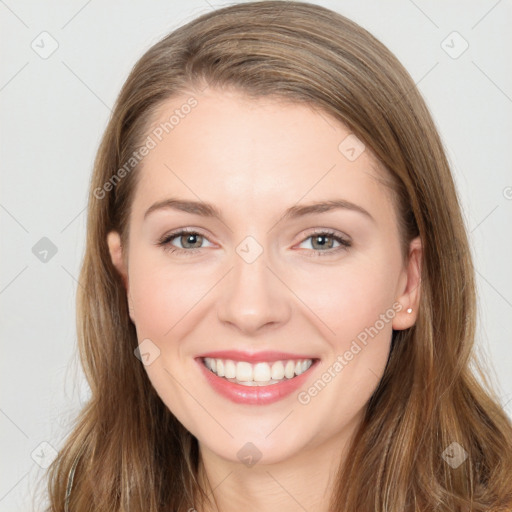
x,y
356,312
163,294
355,306
348,299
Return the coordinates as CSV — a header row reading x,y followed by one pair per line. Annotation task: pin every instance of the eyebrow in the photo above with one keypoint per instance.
x,y
208,210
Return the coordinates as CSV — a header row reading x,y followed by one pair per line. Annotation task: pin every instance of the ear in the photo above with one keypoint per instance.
x,y
116,254
410,288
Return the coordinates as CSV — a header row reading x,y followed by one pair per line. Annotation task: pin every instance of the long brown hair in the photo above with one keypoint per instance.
x,y
127,452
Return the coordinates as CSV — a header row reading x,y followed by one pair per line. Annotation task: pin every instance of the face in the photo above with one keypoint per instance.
x,y
261,277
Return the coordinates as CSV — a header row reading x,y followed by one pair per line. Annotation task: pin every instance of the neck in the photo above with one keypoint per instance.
x,y
304,481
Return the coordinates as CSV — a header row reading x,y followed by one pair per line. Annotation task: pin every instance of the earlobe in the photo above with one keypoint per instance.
x,y
409,298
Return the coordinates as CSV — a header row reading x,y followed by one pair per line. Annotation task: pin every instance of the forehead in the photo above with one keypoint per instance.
x,y
237,151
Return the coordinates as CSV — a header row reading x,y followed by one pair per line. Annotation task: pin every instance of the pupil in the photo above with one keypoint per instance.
x,y
320,239
190,239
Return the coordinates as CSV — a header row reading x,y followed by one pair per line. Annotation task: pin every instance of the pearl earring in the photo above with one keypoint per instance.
x,y
409,310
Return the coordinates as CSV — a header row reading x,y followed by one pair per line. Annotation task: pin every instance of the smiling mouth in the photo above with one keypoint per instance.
x,y
257,374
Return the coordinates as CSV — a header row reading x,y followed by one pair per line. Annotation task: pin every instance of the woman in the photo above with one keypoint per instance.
x,y
311,348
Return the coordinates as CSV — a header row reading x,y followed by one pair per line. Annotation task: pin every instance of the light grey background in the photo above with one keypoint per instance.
x,y
55,109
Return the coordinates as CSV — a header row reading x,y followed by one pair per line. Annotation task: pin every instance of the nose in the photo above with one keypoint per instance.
x,y
253,297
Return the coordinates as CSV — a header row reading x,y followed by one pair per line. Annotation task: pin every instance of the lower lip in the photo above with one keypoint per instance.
x,y
255,395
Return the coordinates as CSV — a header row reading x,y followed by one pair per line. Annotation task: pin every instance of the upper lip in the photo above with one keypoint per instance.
x,y
254,357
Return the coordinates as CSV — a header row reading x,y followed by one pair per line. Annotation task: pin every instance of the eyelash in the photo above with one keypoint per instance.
x,y
165,242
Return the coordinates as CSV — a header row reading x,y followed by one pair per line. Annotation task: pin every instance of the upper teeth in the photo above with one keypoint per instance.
x,y
258,372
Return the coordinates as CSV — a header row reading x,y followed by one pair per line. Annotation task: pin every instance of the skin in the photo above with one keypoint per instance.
x,y
253,159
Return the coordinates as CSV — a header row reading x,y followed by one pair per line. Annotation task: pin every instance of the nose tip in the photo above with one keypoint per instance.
x,y
252,297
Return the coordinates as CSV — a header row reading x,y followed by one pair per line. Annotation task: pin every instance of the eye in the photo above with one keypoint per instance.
x,y
191,241
323,242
